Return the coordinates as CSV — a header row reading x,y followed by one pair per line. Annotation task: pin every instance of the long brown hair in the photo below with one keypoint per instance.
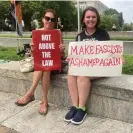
x,y
93,10
54,13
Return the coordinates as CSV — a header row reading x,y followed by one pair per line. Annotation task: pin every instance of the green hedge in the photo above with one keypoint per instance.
x,y
9,53
128,65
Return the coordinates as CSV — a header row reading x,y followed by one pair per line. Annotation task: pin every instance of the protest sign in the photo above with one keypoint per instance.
x,y
46,51
95,58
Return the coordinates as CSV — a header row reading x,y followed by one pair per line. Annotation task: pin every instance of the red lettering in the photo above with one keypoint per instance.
x,y
80,62
86,49
117,61
77,61
91,49
110,63
101,62
94,62
99,49
85,63
71,62
114,50
97,60
90,62
105,48
73,50
120,49
106,62
81,51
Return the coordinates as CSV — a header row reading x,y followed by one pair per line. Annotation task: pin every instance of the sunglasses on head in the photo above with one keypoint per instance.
x,y
48,18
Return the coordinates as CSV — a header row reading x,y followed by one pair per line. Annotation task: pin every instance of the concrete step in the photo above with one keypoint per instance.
x,y
28,120
110,97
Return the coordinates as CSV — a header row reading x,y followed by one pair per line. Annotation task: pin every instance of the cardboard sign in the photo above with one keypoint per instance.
x,y
46,51
95,58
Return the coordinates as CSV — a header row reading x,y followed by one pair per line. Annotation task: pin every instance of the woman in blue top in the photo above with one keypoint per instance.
x,y
79,86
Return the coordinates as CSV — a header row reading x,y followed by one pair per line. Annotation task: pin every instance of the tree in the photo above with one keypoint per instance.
x,y
111,11
68,14
120,18
28,9
65,9
35,10
4,13
108,20
127,27
115,18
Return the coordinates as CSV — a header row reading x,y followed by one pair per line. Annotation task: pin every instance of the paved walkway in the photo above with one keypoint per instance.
x,y
27,120
4,129
14,65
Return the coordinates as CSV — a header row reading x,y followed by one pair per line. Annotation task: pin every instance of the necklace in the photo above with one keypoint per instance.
x,y
89,34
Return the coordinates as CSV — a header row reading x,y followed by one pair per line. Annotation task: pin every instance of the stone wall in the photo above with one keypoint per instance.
x,y
73,34
110,97
14,42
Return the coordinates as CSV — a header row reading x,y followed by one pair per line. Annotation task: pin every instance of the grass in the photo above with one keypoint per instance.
x,y
128,66
14,36
9,53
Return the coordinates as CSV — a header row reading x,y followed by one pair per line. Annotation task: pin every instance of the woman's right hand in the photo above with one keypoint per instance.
x,y
123,60
68,59
32,47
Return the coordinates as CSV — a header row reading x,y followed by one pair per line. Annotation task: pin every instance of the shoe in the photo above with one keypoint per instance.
x,y
45,109
79,117
25,100
70,114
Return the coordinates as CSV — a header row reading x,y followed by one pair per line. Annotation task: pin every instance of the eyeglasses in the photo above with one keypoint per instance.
x,y
48,18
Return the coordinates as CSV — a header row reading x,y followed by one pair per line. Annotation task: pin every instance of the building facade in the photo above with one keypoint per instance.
x,y
95,3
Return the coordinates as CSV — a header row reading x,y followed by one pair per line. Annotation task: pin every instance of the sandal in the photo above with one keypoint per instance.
x,y
44,107
25,100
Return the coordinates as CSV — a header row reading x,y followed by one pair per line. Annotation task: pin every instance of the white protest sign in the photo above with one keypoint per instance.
x,y
95,58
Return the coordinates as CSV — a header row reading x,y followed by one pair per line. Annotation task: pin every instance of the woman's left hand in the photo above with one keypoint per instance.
x,y
62,47
123,60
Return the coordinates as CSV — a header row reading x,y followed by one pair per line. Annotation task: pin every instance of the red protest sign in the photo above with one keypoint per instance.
x,y
46,51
